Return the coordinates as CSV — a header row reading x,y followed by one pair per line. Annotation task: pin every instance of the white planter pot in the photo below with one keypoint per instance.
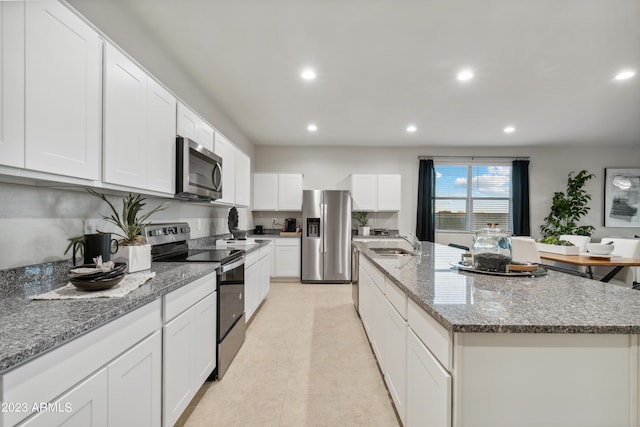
x,y
558,249
363,231
138,258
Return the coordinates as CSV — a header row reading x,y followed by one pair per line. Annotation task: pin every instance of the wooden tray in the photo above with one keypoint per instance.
x,y
539,271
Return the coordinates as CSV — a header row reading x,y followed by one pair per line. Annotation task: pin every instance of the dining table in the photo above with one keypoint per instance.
x,y
616,263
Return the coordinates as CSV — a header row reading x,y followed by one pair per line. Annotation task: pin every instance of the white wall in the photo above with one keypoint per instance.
x,y
329,168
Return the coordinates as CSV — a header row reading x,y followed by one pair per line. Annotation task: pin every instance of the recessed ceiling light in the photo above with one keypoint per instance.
x,y
308,74
465,75
625,74
509,129
312,127
411,128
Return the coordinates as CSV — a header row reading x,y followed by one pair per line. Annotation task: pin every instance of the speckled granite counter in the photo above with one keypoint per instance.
x,y
29,328
471,302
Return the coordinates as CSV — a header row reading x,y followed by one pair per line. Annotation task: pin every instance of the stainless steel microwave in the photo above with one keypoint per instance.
x,y
198,171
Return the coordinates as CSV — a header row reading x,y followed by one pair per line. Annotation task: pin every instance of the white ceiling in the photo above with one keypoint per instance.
x,y
543,66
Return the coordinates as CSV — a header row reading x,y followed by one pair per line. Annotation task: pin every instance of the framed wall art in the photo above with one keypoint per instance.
x,y
622,197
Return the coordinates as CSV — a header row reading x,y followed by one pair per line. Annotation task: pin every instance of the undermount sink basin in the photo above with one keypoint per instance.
x,y
392,251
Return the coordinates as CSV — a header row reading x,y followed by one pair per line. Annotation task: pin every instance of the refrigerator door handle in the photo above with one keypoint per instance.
x,y
323,227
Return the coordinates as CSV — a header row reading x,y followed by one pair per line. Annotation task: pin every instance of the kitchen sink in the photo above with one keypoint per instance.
x,y
392,251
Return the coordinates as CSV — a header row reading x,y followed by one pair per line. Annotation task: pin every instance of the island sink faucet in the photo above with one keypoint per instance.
x,y
415,243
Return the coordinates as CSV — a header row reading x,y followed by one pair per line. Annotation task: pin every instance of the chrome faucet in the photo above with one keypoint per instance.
x,y
415,243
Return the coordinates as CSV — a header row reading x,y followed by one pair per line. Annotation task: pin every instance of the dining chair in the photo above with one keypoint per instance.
x,y
524,249
627,248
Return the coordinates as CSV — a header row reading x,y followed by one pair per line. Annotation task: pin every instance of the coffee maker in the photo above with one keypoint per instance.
x,y
290,224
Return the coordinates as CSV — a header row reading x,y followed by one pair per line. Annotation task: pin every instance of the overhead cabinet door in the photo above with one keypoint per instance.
x,y
161,139
63,61
125,153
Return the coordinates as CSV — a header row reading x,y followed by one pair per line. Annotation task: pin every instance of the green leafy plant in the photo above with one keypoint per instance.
x,y
567,208
131,224
362,218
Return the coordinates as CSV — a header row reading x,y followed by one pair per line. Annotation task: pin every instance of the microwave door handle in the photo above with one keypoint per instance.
x,y
216,176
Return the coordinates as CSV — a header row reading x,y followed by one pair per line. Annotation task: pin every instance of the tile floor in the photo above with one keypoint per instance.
x,y
306,362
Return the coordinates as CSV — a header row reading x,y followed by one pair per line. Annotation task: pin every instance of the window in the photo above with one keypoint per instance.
x,y
468,197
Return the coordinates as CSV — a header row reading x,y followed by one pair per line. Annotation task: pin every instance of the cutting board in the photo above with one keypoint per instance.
x,y
290,233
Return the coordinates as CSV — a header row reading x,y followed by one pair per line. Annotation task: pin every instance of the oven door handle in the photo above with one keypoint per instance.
x,y
232,265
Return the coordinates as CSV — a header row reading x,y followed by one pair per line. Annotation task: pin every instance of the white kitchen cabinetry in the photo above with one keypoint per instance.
x,y
189,344
190,125
139,134
376,193
83,406
256,279
12,83
135,385
428,387
126,348
395,356
277,192
63,92
243,179
287,252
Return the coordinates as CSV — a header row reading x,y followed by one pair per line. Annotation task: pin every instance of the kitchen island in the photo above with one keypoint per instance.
x,y
466,349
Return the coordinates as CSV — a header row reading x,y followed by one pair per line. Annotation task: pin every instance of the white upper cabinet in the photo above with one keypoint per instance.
x,y
373,193
161,139
12,83
243,179
364,190
226,150
63,92
389,187
274,192
290,192
265,191
125,160
139,128
236,173
191,126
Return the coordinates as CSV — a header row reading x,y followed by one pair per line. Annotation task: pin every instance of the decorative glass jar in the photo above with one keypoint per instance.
x,y
491,249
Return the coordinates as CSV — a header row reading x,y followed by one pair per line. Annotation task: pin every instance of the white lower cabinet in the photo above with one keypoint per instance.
x,y
85,405
428,387
135,385
189,344
287,257
256,278
395,358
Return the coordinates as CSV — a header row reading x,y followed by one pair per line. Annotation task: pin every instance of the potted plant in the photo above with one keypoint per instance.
x,y
566,210
363,219
133,248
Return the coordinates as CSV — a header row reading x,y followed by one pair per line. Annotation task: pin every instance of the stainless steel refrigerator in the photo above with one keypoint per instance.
x,y
326,236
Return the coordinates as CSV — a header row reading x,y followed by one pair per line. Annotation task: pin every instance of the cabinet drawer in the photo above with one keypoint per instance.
x,y
251,258
431,333
181,299
397,297
376,275
287,242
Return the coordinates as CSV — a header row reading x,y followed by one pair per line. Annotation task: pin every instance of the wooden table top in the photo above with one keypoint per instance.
x,y
589,261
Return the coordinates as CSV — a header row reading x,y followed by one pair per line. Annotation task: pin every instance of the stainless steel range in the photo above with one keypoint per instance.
x,y
169,244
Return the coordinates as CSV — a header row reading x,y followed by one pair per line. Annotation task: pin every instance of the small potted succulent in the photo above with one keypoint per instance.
x,y
363,219
133,248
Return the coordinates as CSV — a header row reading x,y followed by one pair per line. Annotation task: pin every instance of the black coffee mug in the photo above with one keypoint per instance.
x,y
96,245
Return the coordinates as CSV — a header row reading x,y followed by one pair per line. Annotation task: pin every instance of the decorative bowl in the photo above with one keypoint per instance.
x,y
600,248
97,284
239,234
79,271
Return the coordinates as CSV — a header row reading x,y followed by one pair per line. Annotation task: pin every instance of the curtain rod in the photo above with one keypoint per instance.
x,y
472,157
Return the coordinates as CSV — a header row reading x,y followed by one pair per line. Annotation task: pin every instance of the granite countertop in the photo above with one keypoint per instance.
x,y
29,328
471,302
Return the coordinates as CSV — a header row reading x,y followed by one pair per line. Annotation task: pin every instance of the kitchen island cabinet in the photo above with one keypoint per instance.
x,y
485,350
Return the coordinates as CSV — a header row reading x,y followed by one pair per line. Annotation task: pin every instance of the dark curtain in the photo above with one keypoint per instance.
x,y
520,180
425,226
